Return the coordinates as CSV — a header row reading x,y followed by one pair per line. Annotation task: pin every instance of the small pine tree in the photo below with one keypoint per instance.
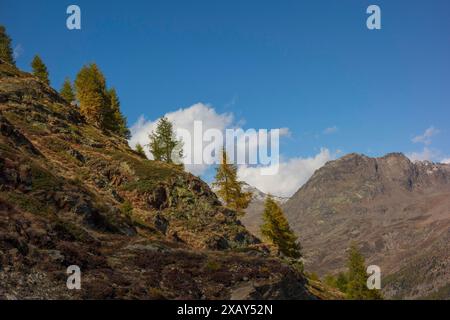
x,y
229,188
114,119
356,287
339,281
164,145
67,91
40,69
140,150
6,52
276,229
90,86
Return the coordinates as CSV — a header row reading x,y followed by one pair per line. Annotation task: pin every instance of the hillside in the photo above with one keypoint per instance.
x,y
396,210
71,194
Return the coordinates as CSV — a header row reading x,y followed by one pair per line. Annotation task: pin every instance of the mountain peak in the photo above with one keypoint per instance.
x,y
389,205
398,155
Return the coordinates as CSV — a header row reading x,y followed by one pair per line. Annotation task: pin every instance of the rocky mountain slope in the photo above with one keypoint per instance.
x,y
396,210
71,194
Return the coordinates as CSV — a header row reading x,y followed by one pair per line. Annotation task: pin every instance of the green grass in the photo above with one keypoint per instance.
x,y
72,231
140,186
37,128
26,203
33,127
69,158
149,173
56,145
43,179
92,133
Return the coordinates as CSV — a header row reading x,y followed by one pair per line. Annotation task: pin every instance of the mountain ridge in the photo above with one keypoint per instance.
x,y
391,207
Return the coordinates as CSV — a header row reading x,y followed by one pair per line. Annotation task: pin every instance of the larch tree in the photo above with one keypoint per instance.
x,y
91,92
228,186
67,91
356,287
276,229
99,105
6,52
114,119
40,69
164,145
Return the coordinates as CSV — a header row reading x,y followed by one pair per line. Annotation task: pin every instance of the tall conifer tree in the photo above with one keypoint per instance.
x,y
40,69
6,52
91,92
229,188
357,278
164,144
67,91
114,119
276,229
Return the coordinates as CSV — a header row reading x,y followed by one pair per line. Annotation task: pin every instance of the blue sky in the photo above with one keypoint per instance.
x,y
304,65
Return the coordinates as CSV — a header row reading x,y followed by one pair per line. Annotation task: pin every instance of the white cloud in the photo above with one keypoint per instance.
x,y
285,132
447,161
425,138
331,130
292,174
17,51
428,153
425,154
210,119
183,119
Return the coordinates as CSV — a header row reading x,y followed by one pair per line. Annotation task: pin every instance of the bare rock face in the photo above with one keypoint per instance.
x,y
71,194
396,210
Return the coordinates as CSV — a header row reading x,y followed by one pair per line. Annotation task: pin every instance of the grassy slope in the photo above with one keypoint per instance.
x,y
64,186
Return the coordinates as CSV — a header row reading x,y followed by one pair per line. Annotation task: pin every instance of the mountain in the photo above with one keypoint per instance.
x,y
259,196
398,212
72,194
